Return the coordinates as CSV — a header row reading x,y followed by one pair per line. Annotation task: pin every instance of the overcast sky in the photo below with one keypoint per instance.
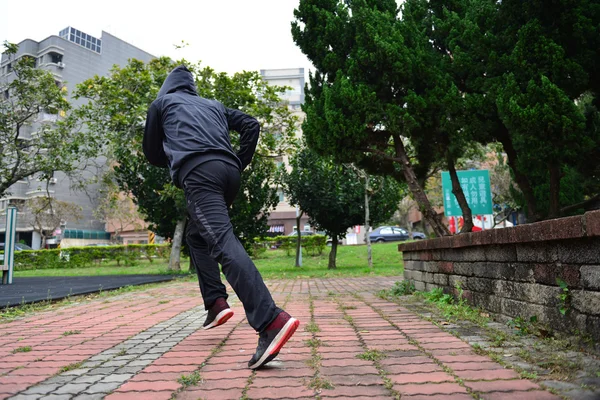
x,y
227,35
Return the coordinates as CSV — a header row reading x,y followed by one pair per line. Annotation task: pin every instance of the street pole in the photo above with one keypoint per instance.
x,y
299,236
9,245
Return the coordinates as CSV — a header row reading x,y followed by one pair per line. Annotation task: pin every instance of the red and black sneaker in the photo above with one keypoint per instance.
x,y
272,339
218,314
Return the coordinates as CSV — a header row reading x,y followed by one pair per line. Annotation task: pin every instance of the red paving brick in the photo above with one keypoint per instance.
x,y
104,324
446,397
487,375
430,389
278,392
165,395
155,386
502,386
532,395
431,377
220,394
356,391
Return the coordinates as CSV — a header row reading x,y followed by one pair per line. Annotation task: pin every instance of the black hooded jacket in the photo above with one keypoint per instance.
x,y
184,130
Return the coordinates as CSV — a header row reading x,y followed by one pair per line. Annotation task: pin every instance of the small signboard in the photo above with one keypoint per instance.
x,y
477,189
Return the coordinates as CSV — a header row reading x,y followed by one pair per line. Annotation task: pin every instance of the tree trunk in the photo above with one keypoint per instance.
x,y
521,179
554,211
298,241
333,252
418,193
367,225
460,196
175,259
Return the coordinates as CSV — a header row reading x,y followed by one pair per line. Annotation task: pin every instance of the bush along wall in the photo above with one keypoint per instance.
x,y
89,256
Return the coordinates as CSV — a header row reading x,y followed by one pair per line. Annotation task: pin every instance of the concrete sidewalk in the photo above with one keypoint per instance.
x,y
150,345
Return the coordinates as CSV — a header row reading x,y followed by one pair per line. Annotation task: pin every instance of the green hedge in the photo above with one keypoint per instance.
x,y
88,256
311,245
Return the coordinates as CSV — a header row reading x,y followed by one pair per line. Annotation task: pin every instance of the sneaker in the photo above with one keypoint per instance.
x,y
218,314
272,339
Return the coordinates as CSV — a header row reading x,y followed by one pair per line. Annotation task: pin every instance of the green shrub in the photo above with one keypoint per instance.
x,y
311,245
81,257
259,247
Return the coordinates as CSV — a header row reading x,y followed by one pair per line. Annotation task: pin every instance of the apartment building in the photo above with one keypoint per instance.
x,y
72,56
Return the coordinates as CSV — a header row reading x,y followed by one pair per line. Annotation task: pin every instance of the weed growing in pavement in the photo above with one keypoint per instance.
x,y
314,342
69,333
499,338
71,367
523,326
402,288
372,355
312,327
315,361
122,352
163,302
24,349
528,375
318,383
190,380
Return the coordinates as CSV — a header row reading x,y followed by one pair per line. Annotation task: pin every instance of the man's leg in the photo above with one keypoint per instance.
x,y
207,269
205,188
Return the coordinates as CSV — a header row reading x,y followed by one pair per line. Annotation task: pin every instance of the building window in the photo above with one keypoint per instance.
x,y
281,196
6,94
55,58
8,68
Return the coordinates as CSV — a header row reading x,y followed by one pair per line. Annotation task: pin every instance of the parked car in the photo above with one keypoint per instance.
x,y
18,247
393,234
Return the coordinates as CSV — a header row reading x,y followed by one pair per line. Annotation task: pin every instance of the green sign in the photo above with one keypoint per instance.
x,y
477,190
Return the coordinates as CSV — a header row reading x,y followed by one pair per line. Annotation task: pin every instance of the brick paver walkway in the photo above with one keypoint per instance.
x,y
149,345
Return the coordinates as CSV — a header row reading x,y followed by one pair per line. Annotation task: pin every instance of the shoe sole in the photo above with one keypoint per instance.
x,y
282,337
221,318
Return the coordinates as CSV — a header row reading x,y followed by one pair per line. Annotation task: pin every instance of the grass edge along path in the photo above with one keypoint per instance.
x,y
273,264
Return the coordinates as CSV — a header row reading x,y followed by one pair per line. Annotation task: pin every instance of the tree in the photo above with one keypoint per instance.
x,y
333,198
36,136
117,209
377,89
46,214
522,66
116,114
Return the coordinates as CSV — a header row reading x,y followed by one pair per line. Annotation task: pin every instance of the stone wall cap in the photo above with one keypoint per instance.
x,y
586,225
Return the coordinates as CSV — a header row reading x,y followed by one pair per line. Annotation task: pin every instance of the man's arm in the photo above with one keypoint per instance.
x,y
153,139
248,128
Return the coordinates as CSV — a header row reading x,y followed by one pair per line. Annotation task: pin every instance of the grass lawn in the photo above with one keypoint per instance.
x,y
108,268
274,264
351,261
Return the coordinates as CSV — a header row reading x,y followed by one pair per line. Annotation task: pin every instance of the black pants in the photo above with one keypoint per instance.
x,y
210,189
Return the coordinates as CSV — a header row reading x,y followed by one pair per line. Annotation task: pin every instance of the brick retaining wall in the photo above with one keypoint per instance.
x,y
512,272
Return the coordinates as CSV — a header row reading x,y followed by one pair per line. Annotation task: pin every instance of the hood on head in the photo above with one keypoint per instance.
x,y
180,79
